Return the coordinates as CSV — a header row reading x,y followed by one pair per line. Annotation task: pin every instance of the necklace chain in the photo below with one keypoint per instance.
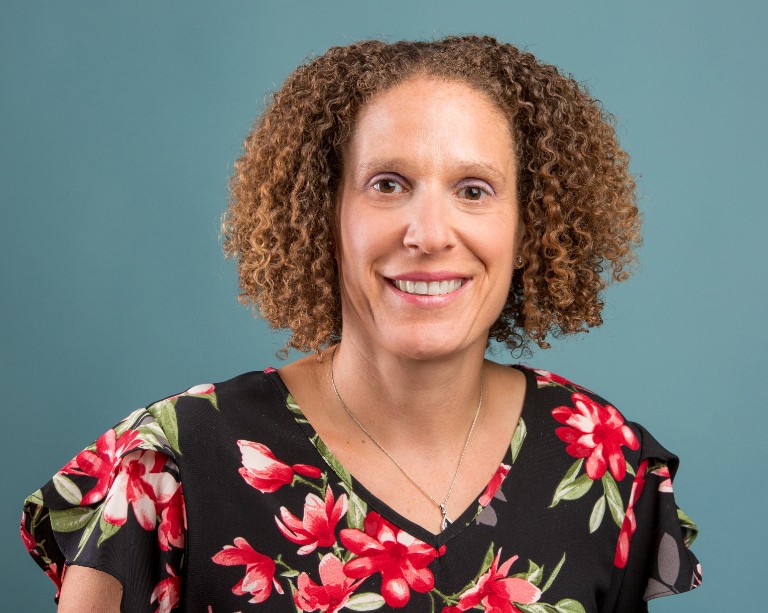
x,y
442,506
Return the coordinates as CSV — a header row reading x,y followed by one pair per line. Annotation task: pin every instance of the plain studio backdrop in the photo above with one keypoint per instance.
x,y
119,128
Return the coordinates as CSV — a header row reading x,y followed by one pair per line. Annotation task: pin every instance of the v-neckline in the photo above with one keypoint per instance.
x,y
382,508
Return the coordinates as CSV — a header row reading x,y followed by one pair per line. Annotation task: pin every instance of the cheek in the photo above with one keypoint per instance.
x,y
365,238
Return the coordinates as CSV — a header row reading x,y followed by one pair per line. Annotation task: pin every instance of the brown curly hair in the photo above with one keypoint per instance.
x,y
576,195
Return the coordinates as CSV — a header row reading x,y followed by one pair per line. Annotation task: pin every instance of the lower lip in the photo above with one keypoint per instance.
x,y
426,300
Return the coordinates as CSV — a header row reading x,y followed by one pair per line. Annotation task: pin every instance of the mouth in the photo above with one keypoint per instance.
x,y
427,288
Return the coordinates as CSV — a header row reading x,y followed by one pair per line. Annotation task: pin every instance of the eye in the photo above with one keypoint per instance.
x,y
388,186
472,192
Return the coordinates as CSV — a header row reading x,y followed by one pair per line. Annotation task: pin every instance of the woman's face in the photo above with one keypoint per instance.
x,y
427,219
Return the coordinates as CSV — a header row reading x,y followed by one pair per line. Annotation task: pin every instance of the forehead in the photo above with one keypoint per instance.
x,y
433,120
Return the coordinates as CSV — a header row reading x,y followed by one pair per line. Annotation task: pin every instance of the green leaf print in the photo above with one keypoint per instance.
x,y
612,495
567,480
164,413
689,527
128,423
596,517
568,605
356,510
107,530
365,601
332,461
92,523
212,399
578,488
67,489
554,574
35,498
518,438
535,573
295,410
487,561
538,607
71,520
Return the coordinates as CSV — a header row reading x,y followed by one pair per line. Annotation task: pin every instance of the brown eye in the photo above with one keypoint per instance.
x,y
387,186
471,192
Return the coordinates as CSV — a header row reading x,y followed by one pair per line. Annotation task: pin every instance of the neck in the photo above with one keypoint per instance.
x,y
431,402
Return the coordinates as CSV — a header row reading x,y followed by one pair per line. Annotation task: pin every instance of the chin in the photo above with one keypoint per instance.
x,y
429,344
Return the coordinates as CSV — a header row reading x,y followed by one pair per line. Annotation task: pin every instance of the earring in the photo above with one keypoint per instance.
x,y
519,261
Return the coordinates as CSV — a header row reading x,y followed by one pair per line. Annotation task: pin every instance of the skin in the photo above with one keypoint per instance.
x,y
428,186
86,590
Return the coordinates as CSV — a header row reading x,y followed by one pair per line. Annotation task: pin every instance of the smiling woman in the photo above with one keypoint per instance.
x,y
428,221
397,206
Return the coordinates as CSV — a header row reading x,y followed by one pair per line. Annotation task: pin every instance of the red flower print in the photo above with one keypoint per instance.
x,y
167,592
666,484
595,432
497,592
629,525
334,592
201,390
141,483
204,389
494,484
53,574
102,462
401,559
544,377
259,570
29,541
173,522
318,527
262,471
51,568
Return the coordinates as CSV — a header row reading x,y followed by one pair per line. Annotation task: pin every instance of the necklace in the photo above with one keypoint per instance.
x,y
442,506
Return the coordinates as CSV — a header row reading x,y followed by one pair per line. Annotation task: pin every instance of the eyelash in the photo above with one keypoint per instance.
x,y
376,185
387,180
483,191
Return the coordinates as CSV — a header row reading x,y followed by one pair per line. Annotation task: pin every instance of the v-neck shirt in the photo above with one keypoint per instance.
x,y
224,498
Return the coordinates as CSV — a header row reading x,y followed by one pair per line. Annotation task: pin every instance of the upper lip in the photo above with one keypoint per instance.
x,y
427,276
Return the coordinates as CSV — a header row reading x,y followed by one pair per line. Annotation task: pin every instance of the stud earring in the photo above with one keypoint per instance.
x,y
519,261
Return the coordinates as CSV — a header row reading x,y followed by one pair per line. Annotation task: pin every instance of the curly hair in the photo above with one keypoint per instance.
x,y
576,194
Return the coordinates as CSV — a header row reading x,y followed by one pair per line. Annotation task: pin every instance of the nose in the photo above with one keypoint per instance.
x,y
430,225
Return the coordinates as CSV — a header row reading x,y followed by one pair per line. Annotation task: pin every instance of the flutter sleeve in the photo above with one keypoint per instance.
x,y
117,507
652,556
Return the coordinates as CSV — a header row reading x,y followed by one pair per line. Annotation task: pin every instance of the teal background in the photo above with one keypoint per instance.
x,y
119,127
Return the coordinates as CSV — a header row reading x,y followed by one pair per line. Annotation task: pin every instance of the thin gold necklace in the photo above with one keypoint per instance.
x,y
442,506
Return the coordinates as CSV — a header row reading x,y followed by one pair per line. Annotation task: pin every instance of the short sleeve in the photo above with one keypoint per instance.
x,y
117,507
652,556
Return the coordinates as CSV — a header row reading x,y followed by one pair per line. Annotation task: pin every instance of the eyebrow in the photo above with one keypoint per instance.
x,y
469,167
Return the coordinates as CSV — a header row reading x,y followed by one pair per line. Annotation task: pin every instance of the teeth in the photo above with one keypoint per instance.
x,y
431,288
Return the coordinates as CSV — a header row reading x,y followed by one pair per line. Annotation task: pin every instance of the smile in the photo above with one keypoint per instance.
x,y
428,288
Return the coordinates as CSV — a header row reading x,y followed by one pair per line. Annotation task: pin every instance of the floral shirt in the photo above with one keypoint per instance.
x,y
224,499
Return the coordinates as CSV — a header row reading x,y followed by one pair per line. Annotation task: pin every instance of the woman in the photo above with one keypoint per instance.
x,y
397,206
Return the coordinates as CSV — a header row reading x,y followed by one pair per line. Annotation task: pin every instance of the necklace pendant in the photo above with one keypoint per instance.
x,y
446,522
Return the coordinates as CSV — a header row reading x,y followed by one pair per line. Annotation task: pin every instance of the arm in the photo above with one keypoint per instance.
x,y
87,590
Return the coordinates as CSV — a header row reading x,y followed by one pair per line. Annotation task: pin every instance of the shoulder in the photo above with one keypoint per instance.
x,y
633,475
592,426
262,383
124,493
241,397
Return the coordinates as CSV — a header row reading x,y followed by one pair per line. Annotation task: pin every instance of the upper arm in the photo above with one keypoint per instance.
x,y
87,590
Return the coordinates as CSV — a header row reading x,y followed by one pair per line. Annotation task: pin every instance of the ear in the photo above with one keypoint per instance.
x,y
520,231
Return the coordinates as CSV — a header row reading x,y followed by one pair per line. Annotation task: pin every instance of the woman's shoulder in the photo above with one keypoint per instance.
x,y
126,487
584,417
630,470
